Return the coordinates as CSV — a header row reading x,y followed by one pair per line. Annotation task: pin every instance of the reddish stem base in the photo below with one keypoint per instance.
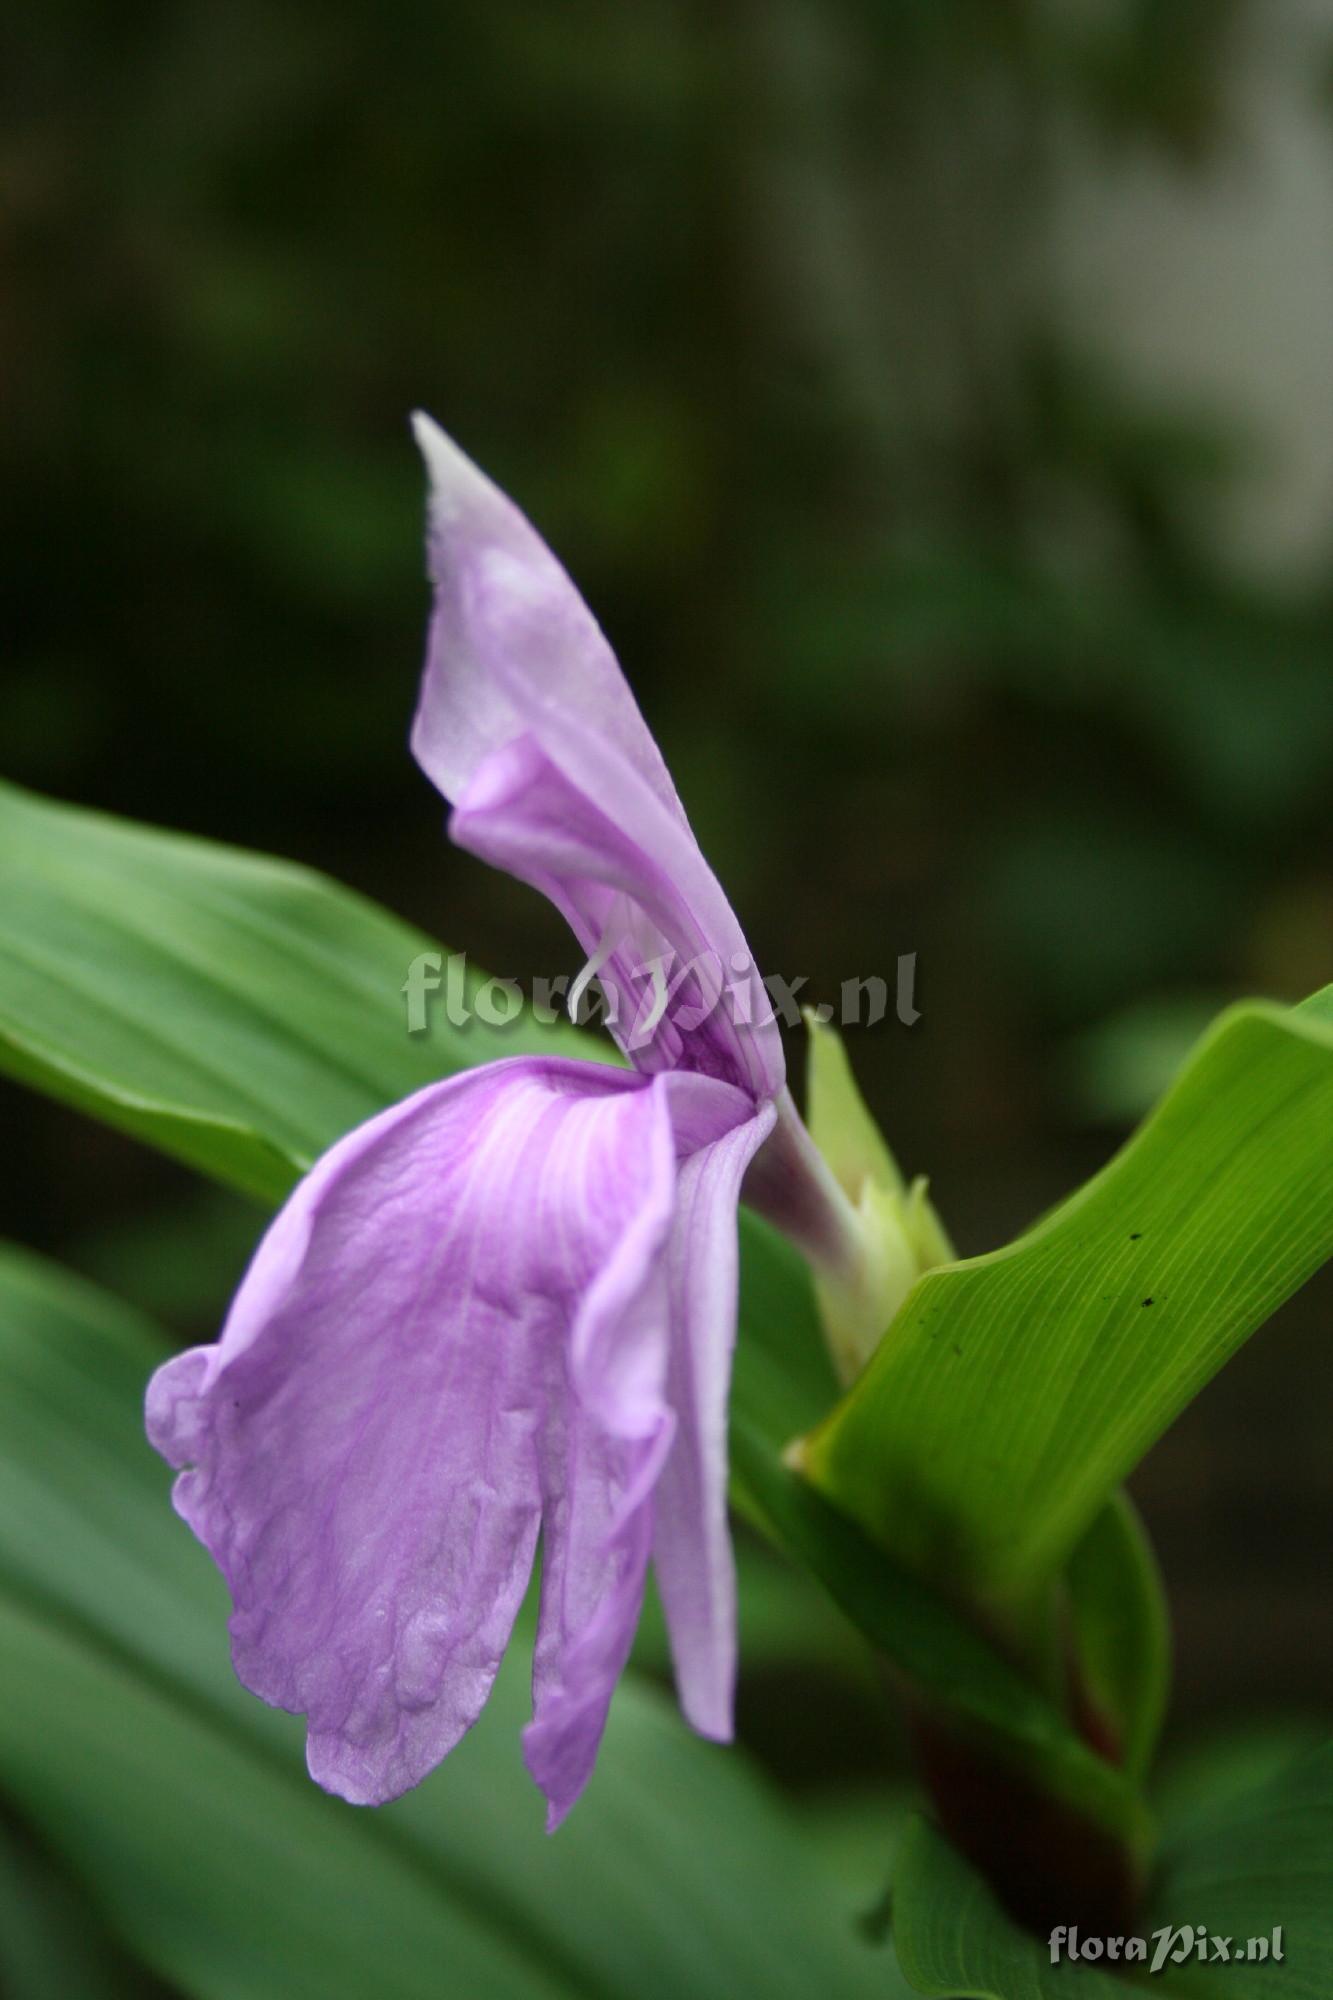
x,y
1046,1863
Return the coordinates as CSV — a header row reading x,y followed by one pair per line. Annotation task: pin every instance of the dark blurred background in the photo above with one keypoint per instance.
x,y
934,399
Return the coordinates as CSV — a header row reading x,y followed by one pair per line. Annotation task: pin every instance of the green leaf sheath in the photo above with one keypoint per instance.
x,y
1239,1866
1119,1637
782,1379
1015,1391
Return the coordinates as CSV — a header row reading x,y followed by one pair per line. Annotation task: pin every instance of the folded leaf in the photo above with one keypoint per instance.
x,y
1014,1392
1120,1642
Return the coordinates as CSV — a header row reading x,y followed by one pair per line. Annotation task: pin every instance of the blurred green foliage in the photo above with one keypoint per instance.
x,y
750,307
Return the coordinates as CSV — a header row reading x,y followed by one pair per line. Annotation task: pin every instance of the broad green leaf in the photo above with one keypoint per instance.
x,y
183,1807
1120,1635
1211,1772
52,1945
1015,1391
1243,1864
858,1829
237,1011
1319,1006
243,1014
954,1942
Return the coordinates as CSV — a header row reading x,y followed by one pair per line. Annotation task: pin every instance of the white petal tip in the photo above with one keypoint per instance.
x,y
460,492
445,463
715,1721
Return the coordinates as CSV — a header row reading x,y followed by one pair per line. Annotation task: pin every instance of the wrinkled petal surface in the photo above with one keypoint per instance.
x,y
455,1338
527,726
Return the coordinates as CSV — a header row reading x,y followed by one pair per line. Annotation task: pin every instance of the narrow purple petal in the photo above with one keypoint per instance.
x,y
692,1540
596,1548
594,1559
527,726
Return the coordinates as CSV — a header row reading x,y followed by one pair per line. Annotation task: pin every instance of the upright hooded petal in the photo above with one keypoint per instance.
x,y
527,726
455,1337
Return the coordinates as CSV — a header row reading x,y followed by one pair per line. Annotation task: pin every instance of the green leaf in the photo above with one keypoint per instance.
x,y
1212,1771
1014,1392
182,1804
237,1011
1120,1636
1319,1006
1242,1865
243,1013
954,1942
782,1379
52,1945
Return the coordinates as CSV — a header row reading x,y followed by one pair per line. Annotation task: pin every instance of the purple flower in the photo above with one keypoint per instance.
x,y
504,1309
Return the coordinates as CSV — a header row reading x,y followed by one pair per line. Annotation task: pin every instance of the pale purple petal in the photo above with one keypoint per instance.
x,y
597,1544
526,724
522,814
372,1444
595,1553
692,1539
509,632
457,1335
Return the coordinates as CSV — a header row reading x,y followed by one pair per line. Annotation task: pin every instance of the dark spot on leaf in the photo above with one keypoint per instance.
x,y
1136,1235
1147,1302
956,1349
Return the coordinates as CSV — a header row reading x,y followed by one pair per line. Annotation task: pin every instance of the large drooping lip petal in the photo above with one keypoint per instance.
x,y
456,1336
527,726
